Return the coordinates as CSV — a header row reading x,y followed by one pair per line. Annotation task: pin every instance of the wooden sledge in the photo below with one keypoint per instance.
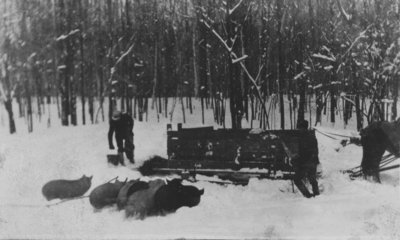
x,y
229,154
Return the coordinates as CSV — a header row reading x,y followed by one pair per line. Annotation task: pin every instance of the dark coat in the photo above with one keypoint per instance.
x,y
305,164
122,128
308,150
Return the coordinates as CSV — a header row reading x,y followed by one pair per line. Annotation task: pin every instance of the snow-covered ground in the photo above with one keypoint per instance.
x,y
263,209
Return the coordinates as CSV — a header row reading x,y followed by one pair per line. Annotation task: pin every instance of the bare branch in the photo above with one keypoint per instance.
x,y
217,35
63,37
299,75
361,35
244,68
235,7
236,60
126,53
346,16
321,56
259,72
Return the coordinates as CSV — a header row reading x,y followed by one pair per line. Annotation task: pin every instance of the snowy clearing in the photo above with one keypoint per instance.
x,y
263,209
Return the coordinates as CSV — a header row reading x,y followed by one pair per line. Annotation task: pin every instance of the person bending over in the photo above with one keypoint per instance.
x,y
122,125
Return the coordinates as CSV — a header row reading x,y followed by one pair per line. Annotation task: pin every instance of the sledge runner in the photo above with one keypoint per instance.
x,y
122,125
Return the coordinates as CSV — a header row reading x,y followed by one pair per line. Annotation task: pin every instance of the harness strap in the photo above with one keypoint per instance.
x,y
325,134
41,205
384,162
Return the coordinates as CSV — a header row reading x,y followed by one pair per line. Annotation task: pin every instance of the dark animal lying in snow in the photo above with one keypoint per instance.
x,y
127,190
66,188
377,138
105,194
141,203
174,195
161,198
147,168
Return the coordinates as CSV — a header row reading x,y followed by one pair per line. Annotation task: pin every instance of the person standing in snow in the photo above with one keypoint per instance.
x,y
122,125
320,106
305,163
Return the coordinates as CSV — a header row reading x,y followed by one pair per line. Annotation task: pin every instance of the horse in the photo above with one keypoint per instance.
x,y
377,138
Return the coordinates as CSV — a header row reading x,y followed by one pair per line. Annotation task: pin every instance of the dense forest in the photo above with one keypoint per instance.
x,y
250,56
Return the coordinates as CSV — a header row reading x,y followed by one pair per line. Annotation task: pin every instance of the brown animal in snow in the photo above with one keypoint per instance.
x,y
127,190
105,194
63,189
141,203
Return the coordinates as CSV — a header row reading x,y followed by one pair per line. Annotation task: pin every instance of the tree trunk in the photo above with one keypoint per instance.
x,y
155,86
21,110
112,97
202,69
29,105
146,108
48,101
359,116
235,95
396,86
57,81
140,109
70,64
8,105
64,70
195,70
302,82
280,70
91,109
333,104
82,62
36,76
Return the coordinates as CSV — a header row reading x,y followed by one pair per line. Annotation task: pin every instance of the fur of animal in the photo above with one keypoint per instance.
x,y
141,203
377,138
174,195
63,189
105,194
127,190
147,168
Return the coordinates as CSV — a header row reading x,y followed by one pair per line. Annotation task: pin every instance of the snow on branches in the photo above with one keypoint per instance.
x,y
324,57
236,60
235,7
65,36
113,69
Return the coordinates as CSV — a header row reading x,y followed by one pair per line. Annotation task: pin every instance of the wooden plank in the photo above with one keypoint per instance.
x,y
226,173
193,163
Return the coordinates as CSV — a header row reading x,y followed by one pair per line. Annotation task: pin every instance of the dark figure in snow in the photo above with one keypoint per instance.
x,y
305,163
122,125
320,106
377,138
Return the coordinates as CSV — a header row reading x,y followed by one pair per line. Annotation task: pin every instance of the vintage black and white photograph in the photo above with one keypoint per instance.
x,y
200,119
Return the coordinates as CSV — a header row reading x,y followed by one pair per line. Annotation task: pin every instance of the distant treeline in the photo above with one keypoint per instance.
x,y
247,51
